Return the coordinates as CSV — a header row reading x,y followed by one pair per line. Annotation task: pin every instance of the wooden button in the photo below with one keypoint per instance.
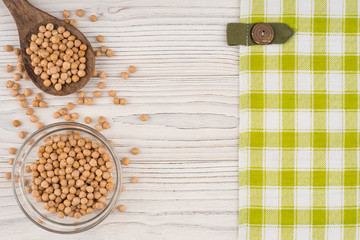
x,y
262,33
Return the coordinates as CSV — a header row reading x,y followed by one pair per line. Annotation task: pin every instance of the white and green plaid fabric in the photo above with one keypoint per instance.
x,y
299,123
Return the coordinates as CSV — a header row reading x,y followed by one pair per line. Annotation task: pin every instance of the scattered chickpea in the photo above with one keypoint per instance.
x,y
9,68
97,53
80,101
23,104
116,100
29,111
102,75
97,94
67,21
73,22
80,13
17,76
11,161
81,94
106,125
88,120
9,84
66,13
101,119
135,151
33,119
22,134
93,18
19,59
123,101
125,161
67,117
20,97
95,73
16,86
103,49
124,75
88,101
75,116
134,180
20,68
12,151
101,85
17,51
70,106
42,104
16,123
26,76
100,38
122,208
132,69
57,115
39,125
8,48
112,93
98,127
35,103
8,175
38,96
110,53
144,117
27,92
62,111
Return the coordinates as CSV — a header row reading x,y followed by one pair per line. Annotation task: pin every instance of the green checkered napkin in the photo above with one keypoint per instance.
x,y
299,123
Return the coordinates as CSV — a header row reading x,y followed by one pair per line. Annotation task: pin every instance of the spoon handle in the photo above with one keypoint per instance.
x,y
23,12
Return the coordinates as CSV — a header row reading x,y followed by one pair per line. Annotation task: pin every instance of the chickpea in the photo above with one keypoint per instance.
x,y
132,69
16,123
20,68
88,101
123,101
134,180
17,76
8,48
102,75
124,75
116,100
9,68
144,117
12,151
33,119
100,38
73,22
93,18
110,53
66,13
103,49
57,115
112,93
11,161
22,135
97,94
101,85
39,125
125,161
23,104
135,151
27,92
88,120
29,111
121,208
8,175
70,106
80,13
98,127
42,104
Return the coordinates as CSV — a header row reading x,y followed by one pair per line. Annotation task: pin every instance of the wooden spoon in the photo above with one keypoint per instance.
x,y
28,19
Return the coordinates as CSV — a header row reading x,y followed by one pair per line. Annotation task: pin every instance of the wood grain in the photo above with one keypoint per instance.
x,y
187,83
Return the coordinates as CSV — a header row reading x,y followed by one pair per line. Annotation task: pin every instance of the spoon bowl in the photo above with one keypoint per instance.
x,y
28,19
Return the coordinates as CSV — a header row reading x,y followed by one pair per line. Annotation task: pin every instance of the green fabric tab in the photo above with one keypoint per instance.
x,y
240,33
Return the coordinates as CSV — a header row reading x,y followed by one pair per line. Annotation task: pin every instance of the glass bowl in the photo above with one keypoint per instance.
x,y
27,154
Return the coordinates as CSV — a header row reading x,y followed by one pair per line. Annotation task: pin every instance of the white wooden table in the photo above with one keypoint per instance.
x,y
187,84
